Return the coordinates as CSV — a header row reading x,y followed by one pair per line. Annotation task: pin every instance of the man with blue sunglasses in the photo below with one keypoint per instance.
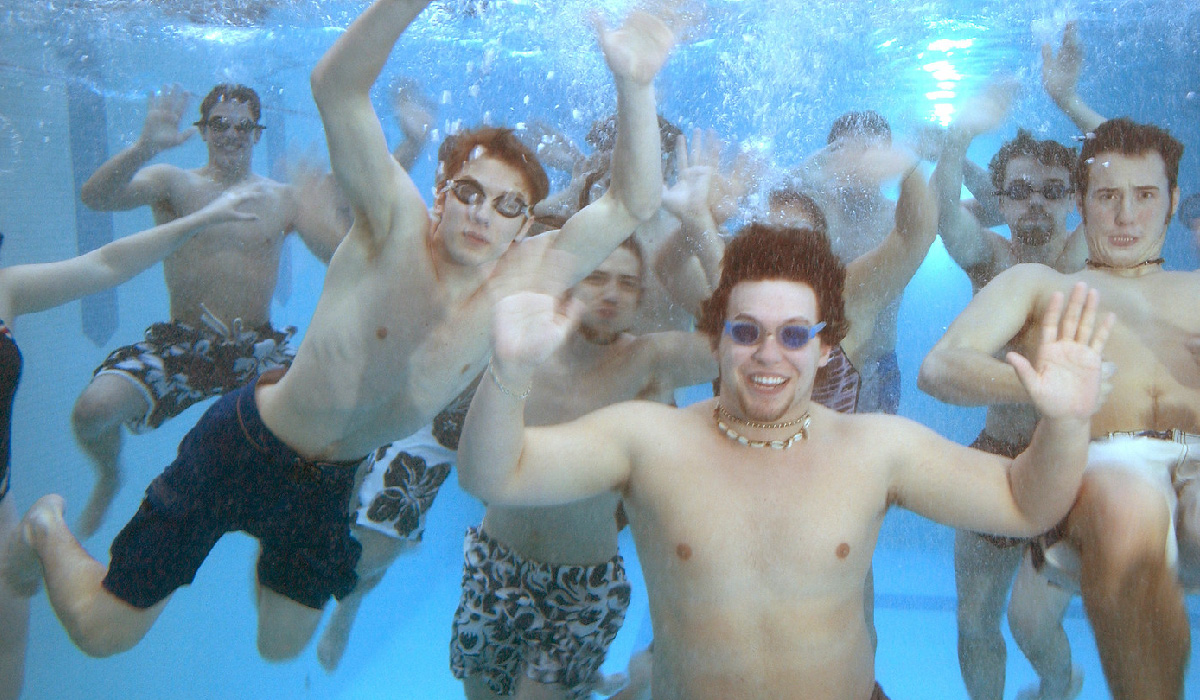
x,y
756,513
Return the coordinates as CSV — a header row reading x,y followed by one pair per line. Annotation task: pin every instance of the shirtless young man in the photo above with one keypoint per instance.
x,y
1139,497
846,177
756,515
558,565
220,283
400,329
1034,183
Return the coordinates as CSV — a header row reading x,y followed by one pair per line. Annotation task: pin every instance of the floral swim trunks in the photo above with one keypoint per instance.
x,y
551,623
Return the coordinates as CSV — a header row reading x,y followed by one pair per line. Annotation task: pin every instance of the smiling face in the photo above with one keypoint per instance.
x,y
475,234
1126,208
766,382
1035,221
230,147
610,294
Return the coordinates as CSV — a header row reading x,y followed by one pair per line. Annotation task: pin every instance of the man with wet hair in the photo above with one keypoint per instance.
x,y
1134,532
845,178
1034,182
401,328
219,283
756,513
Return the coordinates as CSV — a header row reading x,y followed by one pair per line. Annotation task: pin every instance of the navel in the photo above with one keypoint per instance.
x,y
381,332
464,369
683,551
843,550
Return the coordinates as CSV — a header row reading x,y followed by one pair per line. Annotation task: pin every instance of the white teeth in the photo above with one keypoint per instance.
x,y
768,381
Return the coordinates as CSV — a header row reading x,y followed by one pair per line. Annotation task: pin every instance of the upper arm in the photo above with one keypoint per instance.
x,y
682,358
952,484
571,461
998,313
150,185
376,187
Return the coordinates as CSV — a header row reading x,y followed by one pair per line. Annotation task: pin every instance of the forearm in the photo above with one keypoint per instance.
x,y
1079,112
965,377
493,435
1045,478
107,188
354,62
637,158
125,257
987,202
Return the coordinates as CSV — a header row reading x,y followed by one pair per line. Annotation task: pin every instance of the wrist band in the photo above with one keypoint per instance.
x,y
500,385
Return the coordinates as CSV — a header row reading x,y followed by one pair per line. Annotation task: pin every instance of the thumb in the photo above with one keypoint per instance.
x,y
1025,371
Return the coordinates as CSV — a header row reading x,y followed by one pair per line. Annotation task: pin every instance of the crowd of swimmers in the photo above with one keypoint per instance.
x,y
532,341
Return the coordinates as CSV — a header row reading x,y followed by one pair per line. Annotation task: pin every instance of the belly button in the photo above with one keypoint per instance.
x,y
843,551
683,551
381,332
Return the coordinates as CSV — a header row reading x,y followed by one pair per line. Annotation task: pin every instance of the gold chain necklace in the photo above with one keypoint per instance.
x,y
800,435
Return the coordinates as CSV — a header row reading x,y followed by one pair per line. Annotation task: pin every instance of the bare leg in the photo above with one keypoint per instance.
x,y
107,403
641,668
378,553
14,615
1135,605
98,622
982,573
1035,616
475,689
284,626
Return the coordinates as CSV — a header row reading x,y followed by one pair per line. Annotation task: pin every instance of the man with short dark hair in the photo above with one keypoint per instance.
x,y
1034,183
1135,528
219,283
756,513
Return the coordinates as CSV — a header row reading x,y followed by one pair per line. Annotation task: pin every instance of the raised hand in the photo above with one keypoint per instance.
x,y
638,49
534,315
1060,72
688,198
233,203
1066,381
987,111
164,110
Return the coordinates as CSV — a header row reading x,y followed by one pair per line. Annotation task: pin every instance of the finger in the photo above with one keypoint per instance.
x,y
1100,337
1070,320
681,153
1025,371
1087,322
1051,318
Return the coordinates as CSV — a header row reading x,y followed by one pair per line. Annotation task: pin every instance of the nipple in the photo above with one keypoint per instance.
x,y
683,551
843,550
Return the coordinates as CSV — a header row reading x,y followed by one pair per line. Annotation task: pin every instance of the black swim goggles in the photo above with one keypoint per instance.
x,y
792,336
219,125
1023,189
509,205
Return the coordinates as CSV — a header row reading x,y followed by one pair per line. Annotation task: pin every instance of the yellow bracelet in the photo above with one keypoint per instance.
x,y
500,385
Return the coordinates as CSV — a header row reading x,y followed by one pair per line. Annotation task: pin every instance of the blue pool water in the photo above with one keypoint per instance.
x,y
770,75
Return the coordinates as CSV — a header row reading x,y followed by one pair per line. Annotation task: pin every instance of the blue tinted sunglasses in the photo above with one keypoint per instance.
x,y
791,336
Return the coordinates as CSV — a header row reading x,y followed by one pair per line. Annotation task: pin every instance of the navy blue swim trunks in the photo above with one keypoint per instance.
x,y
232,474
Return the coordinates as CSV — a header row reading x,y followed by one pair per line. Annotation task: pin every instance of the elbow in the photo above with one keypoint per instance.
x,y
929,379
324,86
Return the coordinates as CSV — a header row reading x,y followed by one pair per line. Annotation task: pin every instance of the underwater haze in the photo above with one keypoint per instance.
x,y
769,76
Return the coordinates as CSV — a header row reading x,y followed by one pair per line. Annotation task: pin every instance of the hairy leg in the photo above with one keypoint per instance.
x,y
108,402
1035,615
1120,523
982,573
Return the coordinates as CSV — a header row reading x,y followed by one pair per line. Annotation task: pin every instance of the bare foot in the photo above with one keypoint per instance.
x,y
22,569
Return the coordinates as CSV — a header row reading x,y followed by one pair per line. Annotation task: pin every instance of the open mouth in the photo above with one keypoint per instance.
x,y
766,382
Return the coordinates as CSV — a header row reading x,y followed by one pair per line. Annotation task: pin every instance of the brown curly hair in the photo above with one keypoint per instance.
x,y
767,252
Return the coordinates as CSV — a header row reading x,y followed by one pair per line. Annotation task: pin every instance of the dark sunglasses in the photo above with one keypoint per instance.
x,y
1024,189
791,336
509,205
219,125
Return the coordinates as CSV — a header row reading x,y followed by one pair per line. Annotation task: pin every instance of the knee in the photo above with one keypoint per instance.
x,y
105,404
102,641
276,650
1122,524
